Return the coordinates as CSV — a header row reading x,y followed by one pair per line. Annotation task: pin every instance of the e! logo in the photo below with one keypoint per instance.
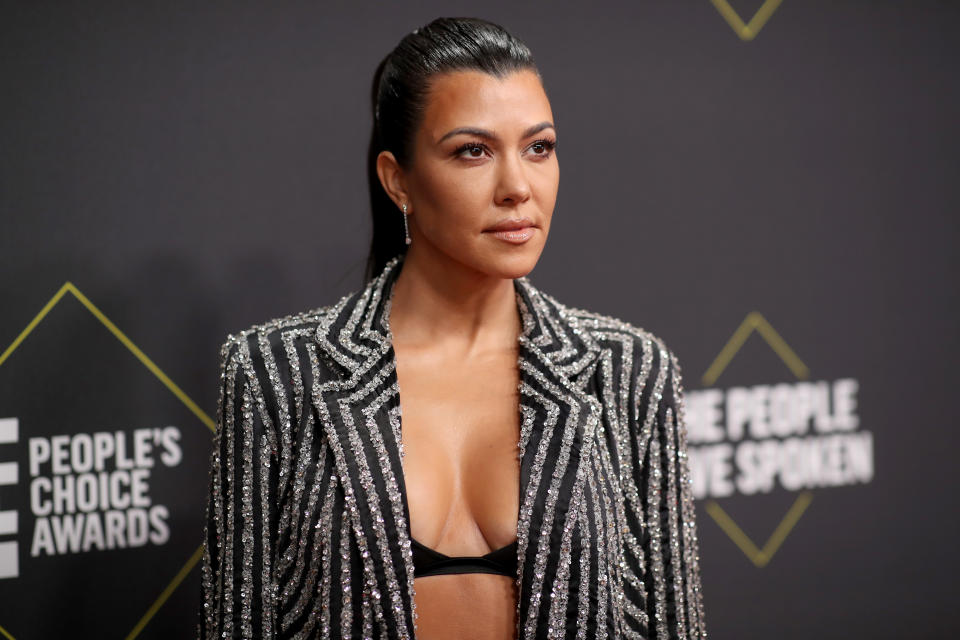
x,y
9,553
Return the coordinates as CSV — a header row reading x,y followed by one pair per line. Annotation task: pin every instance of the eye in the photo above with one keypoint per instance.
x,y
543,147
473,149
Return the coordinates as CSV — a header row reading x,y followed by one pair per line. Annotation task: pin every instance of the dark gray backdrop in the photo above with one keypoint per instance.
x,y
192,170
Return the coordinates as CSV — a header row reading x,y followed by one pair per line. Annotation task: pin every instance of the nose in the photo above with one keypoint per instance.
x,y
513,185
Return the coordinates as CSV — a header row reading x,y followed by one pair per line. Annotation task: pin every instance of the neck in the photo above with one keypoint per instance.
x,y
437,300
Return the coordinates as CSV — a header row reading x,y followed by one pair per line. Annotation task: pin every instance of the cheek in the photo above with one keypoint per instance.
x,y
545,186
452,201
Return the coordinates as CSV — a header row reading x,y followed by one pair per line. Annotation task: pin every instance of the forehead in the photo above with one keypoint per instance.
x,y
475,98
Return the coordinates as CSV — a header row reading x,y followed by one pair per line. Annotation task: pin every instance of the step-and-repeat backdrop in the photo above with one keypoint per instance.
x,y
771,187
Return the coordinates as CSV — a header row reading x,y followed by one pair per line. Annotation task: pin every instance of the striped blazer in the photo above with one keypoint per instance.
x,y
306,530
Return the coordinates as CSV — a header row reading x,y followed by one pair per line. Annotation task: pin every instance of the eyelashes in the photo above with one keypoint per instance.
x,y
548,144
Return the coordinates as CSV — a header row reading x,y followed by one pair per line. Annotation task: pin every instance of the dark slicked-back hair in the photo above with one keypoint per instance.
x,y
400,87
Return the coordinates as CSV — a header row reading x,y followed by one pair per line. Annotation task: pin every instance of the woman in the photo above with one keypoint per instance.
x,y
537,485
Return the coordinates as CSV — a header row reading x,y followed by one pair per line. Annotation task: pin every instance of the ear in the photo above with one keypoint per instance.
x,y
392,178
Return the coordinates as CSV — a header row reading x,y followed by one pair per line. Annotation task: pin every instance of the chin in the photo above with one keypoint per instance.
x,y
512,266
503,261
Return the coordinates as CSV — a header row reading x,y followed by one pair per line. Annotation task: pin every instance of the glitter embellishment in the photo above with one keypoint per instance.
x,y
307,521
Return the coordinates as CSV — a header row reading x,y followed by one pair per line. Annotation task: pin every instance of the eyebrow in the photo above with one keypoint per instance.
x,y
484,133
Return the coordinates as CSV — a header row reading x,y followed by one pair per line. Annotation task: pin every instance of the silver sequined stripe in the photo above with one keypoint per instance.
x,y
545,337
230,518
347,331
617,378
394,418
282,407
654,496
299,532
677,570
615,512
246,515
603,572
287,479
263,448
555,322
209,587
523,527
407,550
561,586
630,489
305,562
630,582
213,575
646,437
319,600
346,586
369,576
559,471
363,395
631,492
268,447
526,513
691,552
323,606
389,477
324,340
290,515
653,525
587,578
638,611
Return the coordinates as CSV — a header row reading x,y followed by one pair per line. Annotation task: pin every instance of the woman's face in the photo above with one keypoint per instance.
x,y
484,157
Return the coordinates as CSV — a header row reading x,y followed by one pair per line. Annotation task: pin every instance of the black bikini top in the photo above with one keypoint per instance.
x,y
427,562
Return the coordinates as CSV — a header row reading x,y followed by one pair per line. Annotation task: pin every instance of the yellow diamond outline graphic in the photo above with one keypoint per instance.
x,y
68,287
755,322
746,31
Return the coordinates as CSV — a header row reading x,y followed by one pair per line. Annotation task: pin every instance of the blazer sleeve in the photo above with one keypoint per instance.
x,y
237,584
674,596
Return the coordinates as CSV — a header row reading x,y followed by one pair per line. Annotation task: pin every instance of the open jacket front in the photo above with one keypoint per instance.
x,y
307,518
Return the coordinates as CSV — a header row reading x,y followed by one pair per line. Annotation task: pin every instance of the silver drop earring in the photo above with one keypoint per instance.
x,y
406,230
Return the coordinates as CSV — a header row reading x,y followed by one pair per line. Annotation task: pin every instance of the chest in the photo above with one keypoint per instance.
x,y
454,474
460,425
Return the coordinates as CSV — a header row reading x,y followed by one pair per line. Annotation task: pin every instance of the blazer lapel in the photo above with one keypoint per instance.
x,y
358,403
359,406
557,434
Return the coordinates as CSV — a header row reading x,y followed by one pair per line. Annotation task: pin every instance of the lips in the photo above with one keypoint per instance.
x,y
511,224
514,231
